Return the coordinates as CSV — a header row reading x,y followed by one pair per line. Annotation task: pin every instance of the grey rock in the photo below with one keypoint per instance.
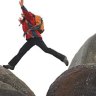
x,y
5,86
9,82
87,53
10,93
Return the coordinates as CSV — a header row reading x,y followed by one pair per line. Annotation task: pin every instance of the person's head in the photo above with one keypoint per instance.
x,y
22,15
22,18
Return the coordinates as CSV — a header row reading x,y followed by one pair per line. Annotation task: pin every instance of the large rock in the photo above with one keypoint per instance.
x,y
78,81
80,78
87,53
10,85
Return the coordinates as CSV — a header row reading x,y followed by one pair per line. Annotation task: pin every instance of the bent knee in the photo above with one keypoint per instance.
x,y
47,50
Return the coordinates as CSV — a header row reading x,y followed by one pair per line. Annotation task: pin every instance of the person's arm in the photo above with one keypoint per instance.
x,y
21,2
24,10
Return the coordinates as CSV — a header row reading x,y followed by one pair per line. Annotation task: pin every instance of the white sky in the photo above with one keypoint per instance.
x,y
68,24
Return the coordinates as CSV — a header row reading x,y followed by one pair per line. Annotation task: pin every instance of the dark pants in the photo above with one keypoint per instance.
x,y
30,43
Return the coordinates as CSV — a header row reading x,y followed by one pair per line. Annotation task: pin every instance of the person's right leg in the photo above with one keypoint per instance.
x,y
58,55
30,43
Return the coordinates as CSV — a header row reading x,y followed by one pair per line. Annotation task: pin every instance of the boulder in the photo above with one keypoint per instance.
x,y
77,81
87,53
10,85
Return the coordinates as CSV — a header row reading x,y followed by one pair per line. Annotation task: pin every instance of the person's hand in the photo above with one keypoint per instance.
x,y
20,19
21,2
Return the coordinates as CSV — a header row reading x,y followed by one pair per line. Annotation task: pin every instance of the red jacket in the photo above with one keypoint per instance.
x,y
31,18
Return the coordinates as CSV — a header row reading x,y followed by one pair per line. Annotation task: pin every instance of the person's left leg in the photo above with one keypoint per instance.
x,y
13,62
42,45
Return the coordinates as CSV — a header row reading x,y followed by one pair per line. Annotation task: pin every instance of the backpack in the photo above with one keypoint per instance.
x,y
40,23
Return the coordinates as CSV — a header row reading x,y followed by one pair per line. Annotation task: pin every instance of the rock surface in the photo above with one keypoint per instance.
x,y
10,85
10,93
80,78
87,53
77,81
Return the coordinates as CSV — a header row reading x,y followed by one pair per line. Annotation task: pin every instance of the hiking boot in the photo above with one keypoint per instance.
x,y
8,67
66,61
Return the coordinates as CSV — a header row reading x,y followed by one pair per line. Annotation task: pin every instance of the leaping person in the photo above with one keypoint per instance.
x,y
32,30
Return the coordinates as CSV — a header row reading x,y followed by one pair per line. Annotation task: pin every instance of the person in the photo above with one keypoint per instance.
x,y
33,37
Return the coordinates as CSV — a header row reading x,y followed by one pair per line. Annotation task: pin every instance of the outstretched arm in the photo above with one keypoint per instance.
x,y
21,2
24,10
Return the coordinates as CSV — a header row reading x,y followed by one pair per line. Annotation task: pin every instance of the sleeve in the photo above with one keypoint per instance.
x,y
27,14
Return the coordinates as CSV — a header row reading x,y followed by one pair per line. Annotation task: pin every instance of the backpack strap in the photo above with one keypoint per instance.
x,y
34,28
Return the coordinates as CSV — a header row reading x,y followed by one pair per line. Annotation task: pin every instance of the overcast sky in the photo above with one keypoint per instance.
x,y
68,24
